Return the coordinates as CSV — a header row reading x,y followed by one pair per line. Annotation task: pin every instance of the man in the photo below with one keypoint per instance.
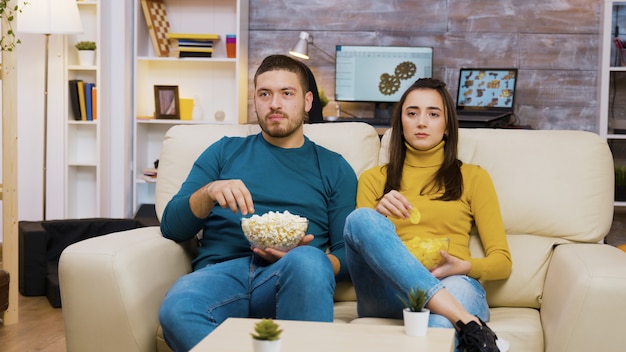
x,y
276,170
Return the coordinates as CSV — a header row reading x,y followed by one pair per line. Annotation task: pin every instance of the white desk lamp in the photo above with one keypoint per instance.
x,y
301,49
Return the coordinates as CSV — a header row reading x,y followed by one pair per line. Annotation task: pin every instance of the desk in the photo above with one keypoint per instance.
x,y
234,335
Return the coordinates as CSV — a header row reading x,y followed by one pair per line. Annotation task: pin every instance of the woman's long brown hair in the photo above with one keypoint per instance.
x,y
448,177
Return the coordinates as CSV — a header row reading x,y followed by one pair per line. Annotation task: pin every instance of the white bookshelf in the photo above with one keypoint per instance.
x,y
217,84
83,139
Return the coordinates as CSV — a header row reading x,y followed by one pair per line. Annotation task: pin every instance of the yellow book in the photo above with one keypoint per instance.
x,y
193,49
193,36
81,100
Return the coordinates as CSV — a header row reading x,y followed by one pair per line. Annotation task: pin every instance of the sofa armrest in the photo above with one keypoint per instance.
x,y
112,287
584,304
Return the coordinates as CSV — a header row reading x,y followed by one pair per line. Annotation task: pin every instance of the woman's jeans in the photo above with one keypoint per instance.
x,y
382,270
299,286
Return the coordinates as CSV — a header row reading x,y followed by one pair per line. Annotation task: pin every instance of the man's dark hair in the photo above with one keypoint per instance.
x,y
283,62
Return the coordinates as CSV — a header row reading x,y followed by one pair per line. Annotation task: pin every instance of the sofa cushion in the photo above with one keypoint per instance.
x,y
521,327
545,202
345,312
531,257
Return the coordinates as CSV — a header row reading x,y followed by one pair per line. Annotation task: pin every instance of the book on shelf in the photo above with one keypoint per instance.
x,y
193,36
150,174
178,46
191,52
94,102
184,54
192,43
81,100
74,100
195,50
89,101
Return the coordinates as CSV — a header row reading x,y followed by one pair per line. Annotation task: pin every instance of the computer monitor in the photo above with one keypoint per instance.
x,y
379,74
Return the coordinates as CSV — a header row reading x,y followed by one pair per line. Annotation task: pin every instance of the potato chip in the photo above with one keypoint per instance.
x,y
428,251
416,216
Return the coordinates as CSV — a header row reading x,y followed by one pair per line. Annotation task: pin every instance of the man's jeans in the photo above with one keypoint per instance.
x,y
299,286
382,270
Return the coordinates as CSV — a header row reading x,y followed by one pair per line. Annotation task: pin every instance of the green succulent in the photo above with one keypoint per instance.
x,y
266,330
415,300
85,45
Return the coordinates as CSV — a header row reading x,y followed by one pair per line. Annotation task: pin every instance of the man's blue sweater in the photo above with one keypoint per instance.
x,y
310,181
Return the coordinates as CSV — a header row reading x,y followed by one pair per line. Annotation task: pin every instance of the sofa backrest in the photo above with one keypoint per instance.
x,y
553,187
357,142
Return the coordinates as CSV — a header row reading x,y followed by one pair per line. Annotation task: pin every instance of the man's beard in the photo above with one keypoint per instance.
x,y
276,131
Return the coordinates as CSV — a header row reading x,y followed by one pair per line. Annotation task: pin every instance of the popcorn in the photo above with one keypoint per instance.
x,y
427,251
281,231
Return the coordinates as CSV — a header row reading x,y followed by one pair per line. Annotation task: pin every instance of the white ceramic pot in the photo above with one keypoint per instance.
x,y
86,57
416,323
266,346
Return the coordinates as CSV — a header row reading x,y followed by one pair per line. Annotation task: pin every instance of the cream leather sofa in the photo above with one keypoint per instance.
x,y
567,292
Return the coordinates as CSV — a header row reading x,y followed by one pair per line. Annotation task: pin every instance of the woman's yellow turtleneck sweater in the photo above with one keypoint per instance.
x,y
452,219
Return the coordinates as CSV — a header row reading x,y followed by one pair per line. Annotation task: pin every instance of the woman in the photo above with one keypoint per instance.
x,y
425,175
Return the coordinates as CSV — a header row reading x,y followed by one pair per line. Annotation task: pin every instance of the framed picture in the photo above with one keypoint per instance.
x,y
167,104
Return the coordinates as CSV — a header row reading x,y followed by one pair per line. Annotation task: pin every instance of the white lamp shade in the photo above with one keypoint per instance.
x,y
49,17
301,49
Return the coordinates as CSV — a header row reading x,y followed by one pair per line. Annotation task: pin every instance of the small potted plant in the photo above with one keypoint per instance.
x,y
266,336
414,313
86,52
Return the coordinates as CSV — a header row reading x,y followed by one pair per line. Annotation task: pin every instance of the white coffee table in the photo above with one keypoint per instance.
x,y
301,336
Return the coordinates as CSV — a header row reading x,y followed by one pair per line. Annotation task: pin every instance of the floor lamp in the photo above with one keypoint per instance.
x,y
48,17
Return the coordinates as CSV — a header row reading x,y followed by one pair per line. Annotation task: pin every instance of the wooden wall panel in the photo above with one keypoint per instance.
x,y
554,43
533,16
566,52
349,15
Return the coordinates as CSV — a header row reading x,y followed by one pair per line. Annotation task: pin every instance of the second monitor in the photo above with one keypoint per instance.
x,y
379,74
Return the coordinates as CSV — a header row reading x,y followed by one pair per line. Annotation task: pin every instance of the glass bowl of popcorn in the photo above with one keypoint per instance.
x,y
428,250
282,231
